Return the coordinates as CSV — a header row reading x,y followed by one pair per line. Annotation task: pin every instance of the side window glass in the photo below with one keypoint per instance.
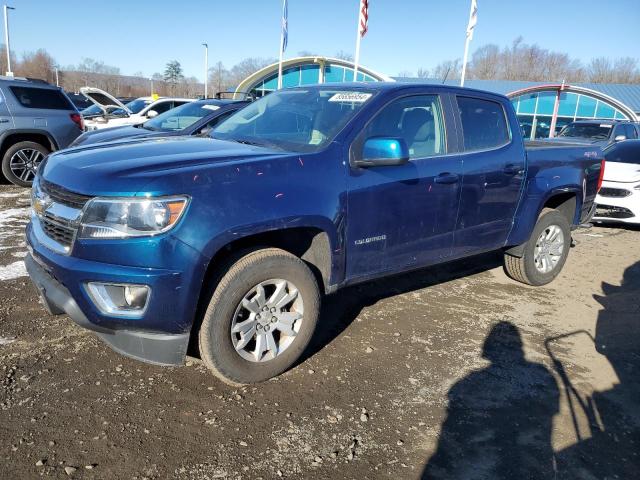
x,y
417,120
162,107
484,124
215,122
630,132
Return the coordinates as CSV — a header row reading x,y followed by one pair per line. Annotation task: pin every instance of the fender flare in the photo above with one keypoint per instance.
x,y
28,131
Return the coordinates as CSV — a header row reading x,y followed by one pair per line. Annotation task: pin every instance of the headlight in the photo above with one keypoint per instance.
x,y
131,217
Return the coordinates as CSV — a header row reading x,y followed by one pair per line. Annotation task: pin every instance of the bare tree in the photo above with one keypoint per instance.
x,y
342,55
422,73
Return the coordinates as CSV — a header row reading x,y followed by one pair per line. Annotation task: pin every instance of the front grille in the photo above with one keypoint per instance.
x,y
608,211
61,195
614,192
58,229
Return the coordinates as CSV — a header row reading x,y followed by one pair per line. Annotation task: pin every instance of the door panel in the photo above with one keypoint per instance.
x,y
494,167
404,215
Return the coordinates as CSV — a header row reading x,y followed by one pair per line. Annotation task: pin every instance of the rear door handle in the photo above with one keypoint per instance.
x,y
4,120
512,169
446,178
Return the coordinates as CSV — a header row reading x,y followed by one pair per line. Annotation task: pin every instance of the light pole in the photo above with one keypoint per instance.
x,y
206,67
6,38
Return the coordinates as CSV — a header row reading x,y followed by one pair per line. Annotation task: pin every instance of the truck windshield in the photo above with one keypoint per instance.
x,y
299,120
594,131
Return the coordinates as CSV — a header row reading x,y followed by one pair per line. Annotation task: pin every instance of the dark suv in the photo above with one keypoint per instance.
x,y
35,118
602,132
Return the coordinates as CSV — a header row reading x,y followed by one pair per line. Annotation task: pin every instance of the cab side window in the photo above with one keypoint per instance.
x,y
484,124
417,120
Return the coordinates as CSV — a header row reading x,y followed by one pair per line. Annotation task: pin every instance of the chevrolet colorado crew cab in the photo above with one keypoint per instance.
x,y
231,240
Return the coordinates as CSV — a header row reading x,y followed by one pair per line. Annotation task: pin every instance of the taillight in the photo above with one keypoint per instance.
x,y
78,120
601,177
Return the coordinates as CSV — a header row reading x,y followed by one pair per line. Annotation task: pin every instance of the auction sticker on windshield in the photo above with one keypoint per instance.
x,y
357,97
211,107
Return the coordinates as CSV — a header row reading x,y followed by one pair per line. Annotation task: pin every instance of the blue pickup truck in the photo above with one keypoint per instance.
x,y
232,240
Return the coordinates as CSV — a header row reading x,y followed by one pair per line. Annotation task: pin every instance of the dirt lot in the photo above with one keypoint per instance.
x,y
443,373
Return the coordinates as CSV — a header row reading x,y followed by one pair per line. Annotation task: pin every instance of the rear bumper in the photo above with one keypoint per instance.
x,y
156,348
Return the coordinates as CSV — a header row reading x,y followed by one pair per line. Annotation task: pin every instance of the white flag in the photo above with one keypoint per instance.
x,y
473,19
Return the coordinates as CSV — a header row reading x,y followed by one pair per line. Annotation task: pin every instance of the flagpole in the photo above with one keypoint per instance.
x,y
464,60
284,2
357,56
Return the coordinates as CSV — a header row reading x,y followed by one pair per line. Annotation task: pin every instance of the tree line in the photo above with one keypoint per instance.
x,y
522,61
518,61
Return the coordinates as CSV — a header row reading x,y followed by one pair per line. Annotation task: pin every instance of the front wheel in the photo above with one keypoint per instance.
x,y
545,253
261,317
21,161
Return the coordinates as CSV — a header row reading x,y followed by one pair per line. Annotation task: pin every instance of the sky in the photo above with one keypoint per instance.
x,y
404,35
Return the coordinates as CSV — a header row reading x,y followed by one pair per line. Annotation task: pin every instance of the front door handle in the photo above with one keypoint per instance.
x,y
4,120
446,178
512,169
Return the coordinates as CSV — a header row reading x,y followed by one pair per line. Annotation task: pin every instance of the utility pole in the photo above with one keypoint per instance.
x,y
6,38
206,67
57,79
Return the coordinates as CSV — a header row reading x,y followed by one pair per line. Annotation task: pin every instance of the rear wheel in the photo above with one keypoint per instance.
x,y
261,317
21,161
545,253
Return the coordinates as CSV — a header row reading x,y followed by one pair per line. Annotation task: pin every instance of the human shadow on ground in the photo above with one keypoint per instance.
x,y
499,418
609,446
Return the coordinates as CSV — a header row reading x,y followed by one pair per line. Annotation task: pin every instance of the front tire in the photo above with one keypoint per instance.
x,y
545,253
261,317
20,162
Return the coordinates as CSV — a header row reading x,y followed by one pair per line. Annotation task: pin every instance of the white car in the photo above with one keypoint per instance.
x,y
619,197
108,111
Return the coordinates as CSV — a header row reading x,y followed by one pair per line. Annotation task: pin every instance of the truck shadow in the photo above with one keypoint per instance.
x,y
342,308
499,418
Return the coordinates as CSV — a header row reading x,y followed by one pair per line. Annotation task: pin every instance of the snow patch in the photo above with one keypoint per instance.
x,y
13,270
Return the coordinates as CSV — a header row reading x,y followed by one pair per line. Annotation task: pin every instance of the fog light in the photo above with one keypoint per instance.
x,y
124,300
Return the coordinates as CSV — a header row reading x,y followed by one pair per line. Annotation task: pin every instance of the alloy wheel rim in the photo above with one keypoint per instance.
x,y
24,163
549,249
267,320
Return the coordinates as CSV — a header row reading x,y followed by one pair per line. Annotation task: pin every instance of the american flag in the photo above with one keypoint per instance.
x,y
364,17
285,24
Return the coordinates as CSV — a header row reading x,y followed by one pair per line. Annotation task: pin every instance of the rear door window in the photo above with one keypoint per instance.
x,y
630,132
30,97
484,124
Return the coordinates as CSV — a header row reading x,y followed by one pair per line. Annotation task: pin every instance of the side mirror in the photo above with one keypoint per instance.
x,y
620,138
379,151
152,113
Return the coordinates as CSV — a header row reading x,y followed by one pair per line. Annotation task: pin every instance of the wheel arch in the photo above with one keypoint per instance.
x,y
11,137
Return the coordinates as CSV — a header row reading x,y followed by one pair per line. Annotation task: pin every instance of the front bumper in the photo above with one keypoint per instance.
x,y
612,206
157,348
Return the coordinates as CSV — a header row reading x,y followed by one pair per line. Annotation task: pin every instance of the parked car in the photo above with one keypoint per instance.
x,y
194,118
235,238
79,101
619,197
602,132
111,112
35,118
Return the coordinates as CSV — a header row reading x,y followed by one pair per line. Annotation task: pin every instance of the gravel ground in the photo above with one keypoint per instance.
x,y
450,372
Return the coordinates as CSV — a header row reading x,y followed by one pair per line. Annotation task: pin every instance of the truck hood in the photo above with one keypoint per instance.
x,y
125,167
622,172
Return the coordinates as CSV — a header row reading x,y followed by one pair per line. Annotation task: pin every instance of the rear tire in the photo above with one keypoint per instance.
x,y
245,301
20,162
545,253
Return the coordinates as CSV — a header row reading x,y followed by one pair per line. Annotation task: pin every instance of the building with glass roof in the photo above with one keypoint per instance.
x,y
306,71
542,108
